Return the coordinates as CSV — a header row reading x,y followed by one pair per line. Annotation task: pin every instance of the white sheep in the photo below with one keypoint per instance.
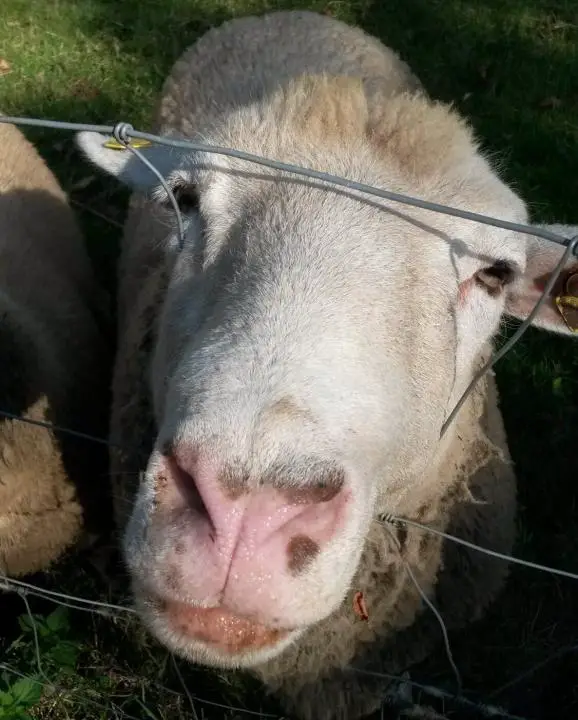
x,y
54,364
287,373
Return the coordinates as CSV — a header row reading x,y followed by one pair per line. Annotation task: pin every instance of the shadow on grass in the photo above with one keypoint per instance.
x,y
513,69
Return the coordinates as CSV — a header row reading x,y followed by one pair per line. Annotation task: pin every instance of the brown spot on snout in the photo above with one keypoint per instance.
x,y
180,548
234,480
159,488
172,578
301,551
287,407
322,487
156,603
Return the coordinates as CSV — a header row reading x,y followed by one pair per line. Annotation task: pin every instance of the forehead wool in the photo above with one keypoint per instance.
x,y
421,137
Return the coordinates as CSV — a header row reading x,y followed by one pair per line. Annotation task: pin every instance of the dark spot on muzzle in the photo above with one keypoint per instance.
x,y
301,551
234,479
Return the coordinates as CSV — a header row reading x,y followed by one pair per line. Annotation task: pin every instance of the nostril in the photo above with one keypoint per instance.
x,y
184,483
166,449
325,487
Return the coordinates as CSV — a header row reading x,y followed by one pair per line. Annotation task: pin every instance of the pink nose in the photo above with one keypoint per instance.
x,y
236,542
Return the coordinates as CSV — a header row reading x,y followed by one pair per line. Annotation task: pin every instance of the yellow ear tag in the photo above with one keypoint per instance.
x,y
136,143
567,303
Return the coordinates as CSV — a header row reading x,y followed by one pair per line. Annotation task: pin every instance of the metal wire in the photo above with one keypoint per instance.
x,y
127,131
10,583
59,429
123,132
396,521
486,711
434,610
570,249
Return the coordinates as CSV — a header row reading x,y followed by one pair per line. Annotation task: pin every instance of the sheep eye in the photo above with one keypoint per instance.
x,y
186,196
494,278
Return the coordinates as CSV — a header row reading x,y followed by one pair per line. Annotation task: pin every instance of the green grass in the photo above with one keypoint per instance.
x,y
512,67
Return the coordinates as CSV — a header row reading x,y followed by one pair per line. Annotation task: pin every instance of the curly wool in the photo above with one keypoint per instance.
x,y
54,365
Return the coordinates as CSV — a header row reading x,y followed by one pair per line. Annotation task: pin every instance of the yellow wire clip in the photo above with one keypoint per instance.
x,y
136,143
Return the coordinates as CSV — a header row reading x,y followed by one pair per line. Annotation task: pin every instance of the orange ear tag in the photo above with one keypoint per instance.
x,y
567,303
359,606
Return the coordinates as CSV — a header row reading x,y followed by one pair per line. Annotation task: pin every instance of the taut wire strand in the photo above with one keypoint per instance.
x,y
130,132
59,429
394,520
123,132
570,249
434,610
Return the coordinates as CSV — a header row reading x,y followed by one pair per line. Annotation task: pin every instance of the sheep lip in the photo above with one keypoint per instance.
x,y
219,627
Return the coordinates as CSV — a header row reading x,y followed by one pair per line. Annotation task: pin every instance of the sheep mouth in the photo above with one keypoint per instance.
x,y
218,627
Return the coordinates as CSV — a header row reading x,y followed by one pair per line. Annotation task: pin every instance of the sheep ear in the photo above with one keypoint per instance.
x,y
111,157
559,313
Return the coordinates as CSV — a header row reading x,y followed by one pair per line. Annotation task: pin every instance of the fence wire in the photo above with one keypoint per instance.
x,y
124,134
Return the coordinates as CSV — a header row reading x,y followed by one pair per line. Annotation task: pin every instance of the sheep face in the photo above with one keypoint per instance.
x,y
311,344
